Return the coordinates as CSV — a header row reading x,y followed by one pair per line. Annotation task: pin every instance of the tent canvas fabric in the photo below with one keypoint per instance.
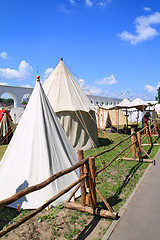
x,y
38,149
7,127
139,104
72,107
108,118
16,114
124,104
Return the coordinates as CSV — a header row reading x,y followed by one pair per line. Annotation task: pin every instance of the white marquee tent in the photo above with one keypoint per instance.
x,y
72,107
39,148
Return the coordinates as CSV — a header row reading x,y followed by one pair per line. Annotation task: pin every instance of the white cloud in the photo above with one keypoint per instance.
x,y
4,83
150,88
107,81
24,71
103,4
88,89
26,85
95,91
89,3
47,72
147,9
62,8
72,2
82,83
144,31
3,55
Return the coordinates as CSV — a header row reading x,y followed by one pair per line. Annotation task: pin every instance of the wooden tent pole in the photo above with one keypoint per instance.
x,y
143,120
117,120
137,116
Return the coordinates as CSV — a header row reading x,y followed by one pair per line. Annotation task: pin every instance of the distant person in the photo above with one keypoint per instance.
x,y
145,119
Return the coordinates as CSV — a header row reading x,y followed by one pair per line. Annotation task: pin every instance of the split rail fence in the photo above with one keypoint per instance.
x,y
87,179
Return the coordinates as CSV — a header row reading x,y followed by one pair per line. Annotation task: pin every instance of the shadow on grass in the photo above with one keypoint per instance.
x,y
105,142
7,215
89,228
113,200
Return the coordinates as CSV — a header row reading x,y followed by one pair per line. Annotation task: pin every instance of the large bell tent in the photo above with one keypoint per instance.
x,y
38,149
72,107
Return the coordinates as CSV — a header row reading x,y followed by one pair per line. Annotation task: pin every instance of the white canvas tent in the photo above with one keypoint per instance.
x,y
139,104
136,112
16,114
7,128
124,105
38,149
72,107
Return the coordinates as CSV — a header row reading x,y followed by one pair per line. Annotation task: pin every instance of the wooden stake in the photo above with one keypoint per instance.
x,y
18,208
81,173
104,200
76,189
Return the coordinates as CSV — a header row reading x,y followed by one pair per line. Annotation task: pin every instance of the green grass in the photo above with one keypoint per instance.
x,y
2,150
115,183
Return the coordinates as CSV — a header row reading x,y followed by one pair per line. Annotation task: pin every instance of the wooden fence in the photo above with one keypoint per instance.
x,y
87,179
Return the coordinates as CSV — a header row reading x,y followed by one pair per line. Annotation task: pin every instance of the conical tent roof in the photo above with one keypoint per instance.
x,y
125,103
38,149
139,104
64,93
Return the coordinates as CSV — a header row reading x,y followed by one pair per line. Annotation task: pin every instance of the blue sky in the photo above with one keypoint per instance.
x,y
113,46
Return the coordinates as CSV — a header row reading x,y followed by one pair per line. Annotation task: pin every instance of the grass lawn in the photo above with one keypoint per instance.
x,y
115,183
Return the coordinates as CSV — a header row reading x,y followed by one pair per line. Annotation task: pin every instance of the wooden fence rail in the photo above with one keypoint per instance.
x,y
87,180
41,185
35,212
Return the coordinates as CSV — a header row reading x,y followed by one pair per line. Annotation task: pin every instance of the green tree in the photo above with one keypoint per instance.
x,y
158,98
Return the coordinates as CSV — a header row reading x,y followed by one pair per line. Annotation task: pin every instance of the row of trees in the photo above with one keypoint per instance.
x,y
4,100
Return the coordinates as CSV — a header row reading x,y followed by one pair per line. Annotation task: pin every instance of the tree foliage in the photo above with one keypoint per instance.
x,y
4,100
158,98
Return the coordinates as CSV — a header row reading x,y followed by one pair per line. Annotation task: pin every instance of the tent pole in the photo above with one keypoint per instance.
x,y
143,120
137,116
117,120
127,120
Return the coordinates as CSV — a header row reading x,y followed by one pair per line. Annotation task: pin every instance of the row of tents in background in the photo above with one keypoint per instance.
x,y
77,115
58,120
125,113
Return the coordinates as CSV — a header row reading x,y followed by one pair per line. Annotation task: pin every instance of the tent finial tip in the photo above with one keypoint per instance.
x,y
38,78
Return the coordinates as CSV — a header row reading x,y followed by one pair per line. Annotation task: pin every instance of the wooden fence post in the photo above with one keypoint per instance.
x,y
150,135
92,182
81,173
134,145
139,146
